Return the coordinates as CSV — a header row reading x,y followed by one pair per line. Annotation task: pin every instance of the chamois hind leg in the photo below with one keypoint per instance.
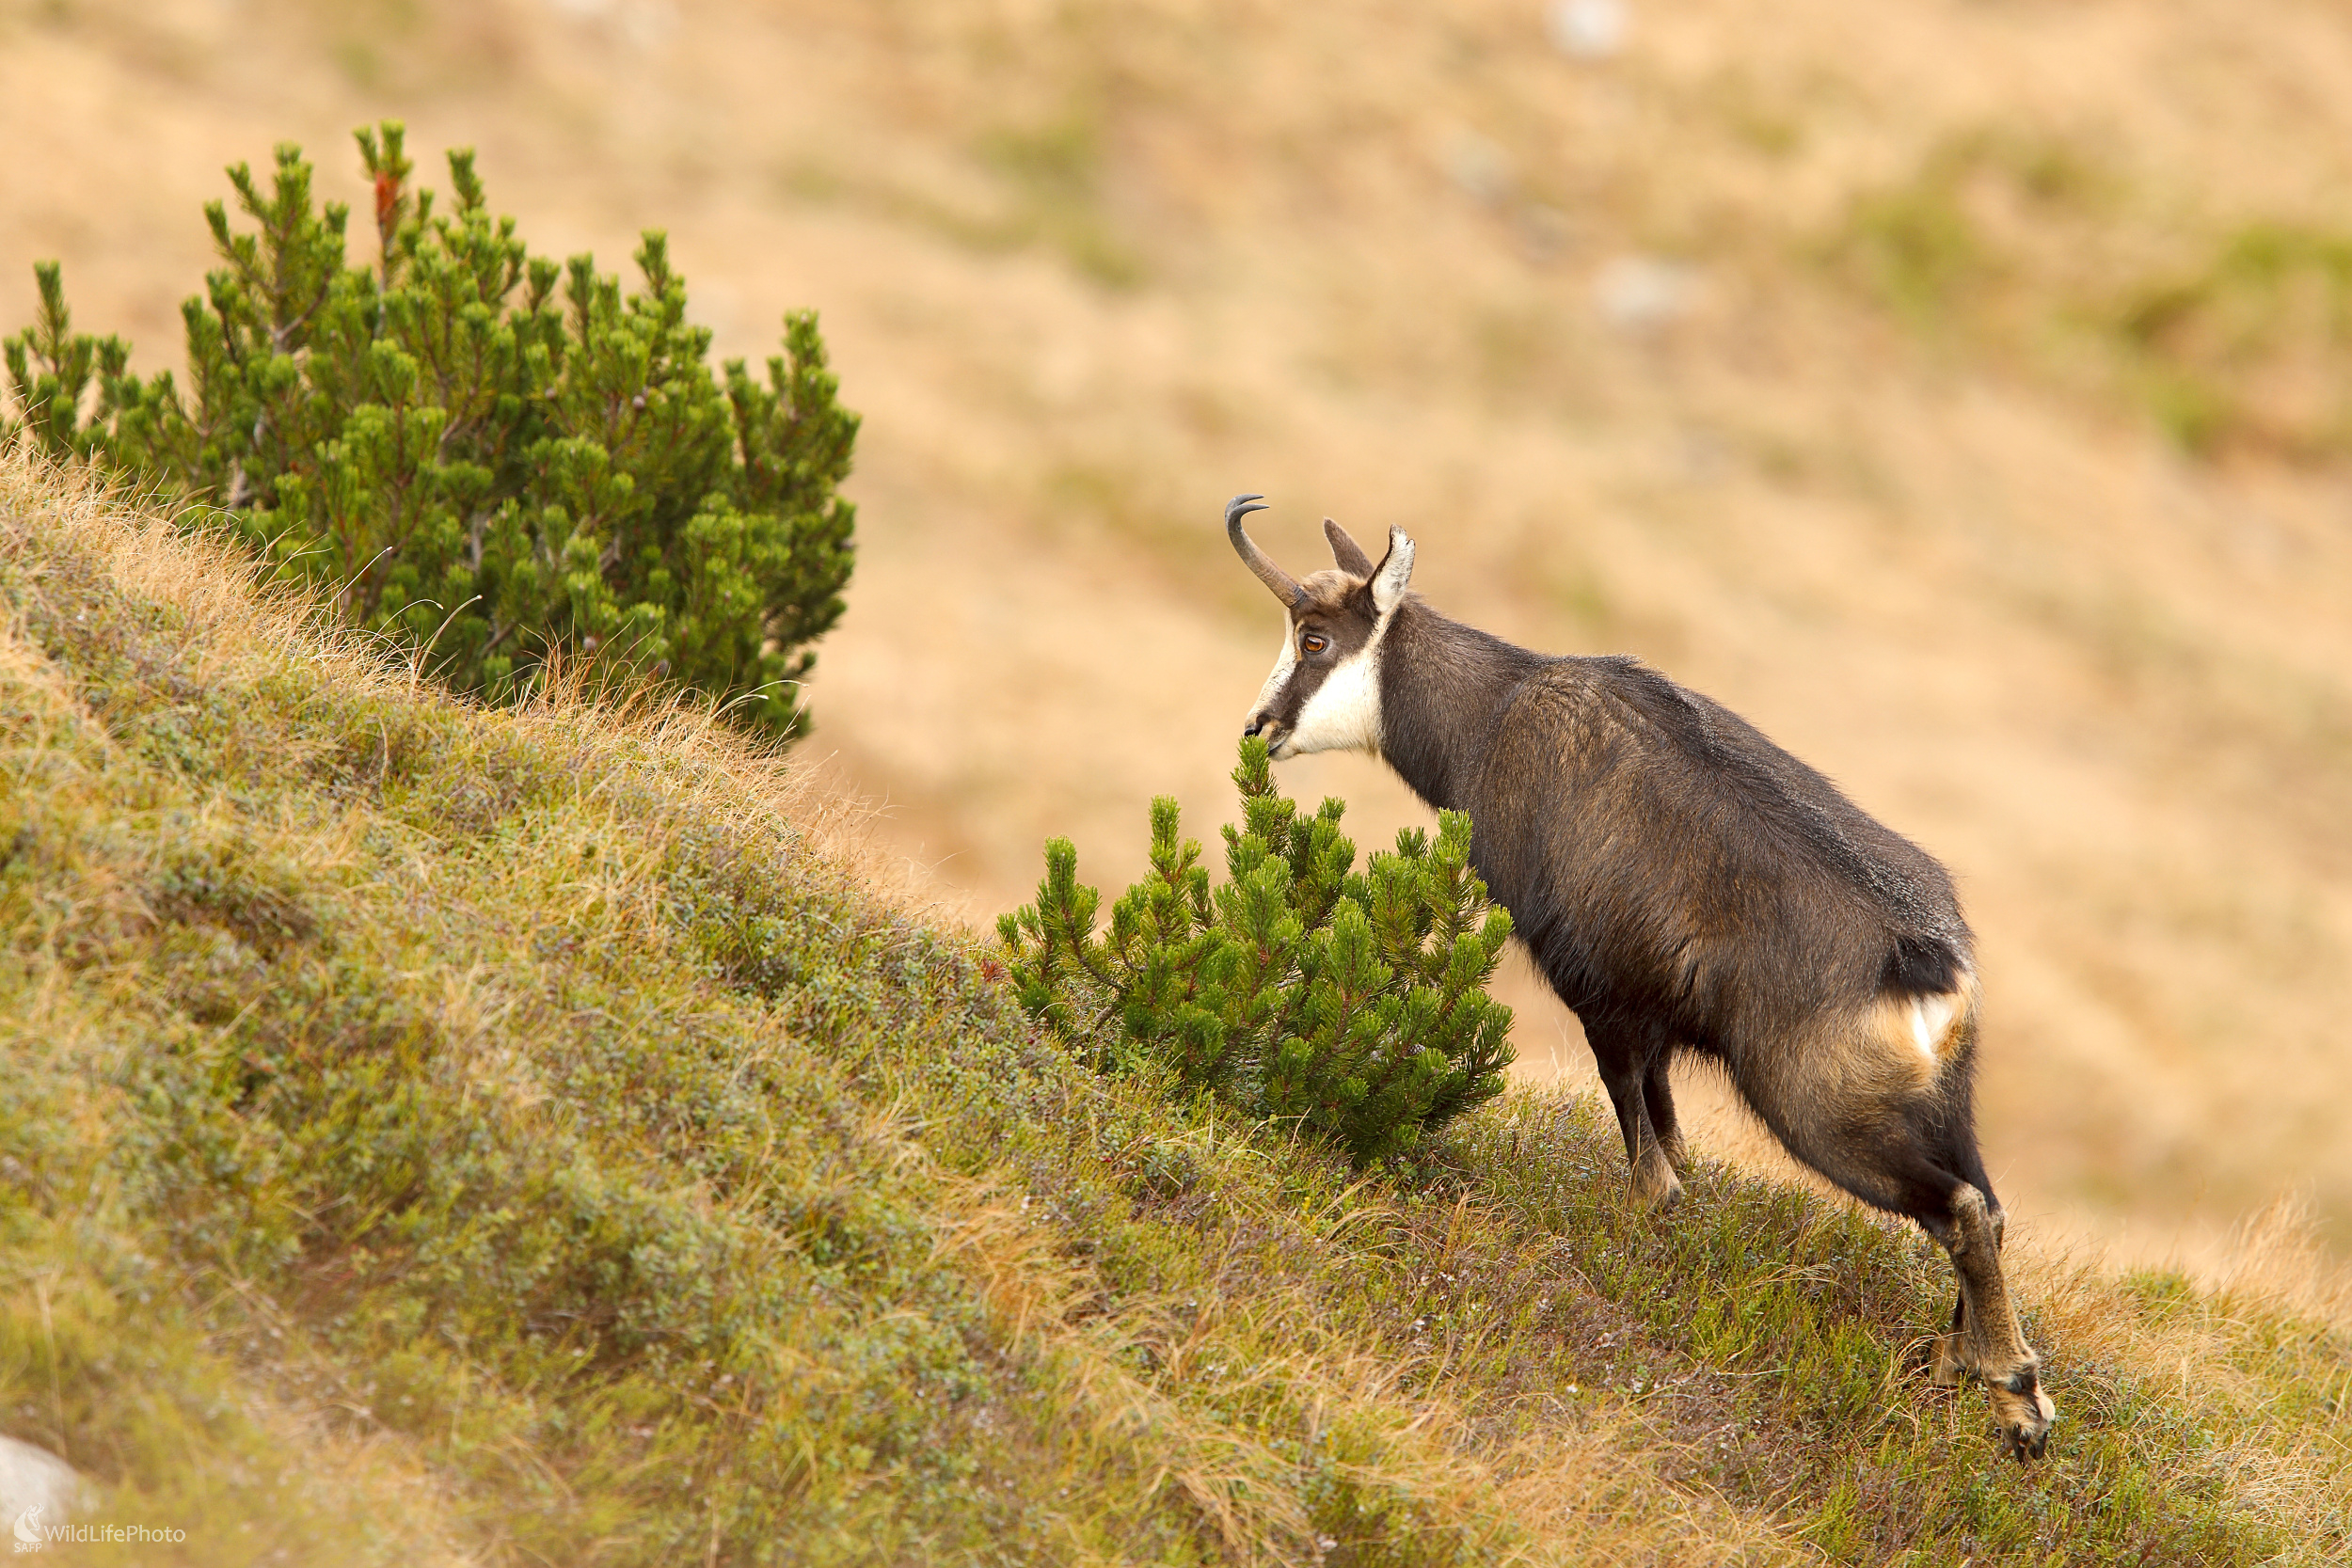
x,y
1921,1166
1898,1136
1952,1364
1955,1359
1630,1060
1991,1343
1984,1341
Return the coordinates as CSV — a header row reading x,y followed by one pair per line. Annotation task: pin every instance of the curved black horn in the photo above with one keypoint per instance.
x,y
1284,585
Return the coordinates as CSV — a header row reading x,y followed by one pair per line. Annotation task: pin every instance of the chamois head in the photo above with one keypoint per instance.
x,y
1323,694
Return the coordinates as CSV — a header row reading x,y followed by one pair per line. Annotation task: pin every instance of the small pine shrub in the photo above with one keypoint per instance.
x,y
1350,1002
502,459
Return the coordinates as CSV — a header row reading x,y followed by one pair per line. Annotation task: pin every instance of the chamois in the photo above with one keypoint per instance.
x,y
1686,886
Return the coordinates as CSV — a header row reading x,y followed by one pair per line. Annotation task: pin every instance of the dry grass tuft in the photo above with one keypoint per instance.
x,y
2277,1261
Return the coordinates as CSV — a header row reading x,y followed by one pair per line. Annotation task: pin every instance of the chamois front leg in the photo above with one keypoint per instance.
x,y
1658,1100
1627,1064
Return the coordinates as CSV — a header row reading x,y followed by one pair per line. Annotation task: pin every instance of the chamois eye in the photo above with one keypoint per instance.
x,y
1313,643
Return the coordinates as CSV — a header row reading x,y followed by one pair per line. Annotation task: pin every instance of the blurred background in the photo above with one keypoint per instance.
x,y
1961,389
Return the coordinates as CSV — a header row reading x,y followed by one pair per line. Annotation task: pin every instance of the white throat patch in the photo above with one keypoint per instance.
x,y
1343,715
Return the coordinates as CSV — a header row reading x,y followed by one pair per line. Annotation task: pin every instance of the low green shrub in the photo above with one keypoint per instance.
x,y
1351,1003
503,460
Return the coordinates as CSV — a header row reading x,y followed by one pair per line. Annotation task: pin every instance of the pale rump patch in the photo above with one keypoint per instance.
x,y
1931,1018
1928,1030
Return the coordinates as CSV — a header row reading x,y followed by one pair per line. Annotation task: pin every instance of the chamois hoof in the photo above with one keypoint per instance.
x,y
1656,1186
1948,1368
2025,1415
2025,1442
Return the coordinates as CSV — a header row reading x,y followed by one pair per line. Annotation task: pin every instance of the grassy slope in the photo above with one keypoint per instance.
x,y
1885,488
496,1137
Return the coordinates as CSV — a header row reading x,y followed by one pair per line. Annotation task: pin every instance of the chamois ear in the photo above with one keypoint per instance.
x,y
1349,554
1394,574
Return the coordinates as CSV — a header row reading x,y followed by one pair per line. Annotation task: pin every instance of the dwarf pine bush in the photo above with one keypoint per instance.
x,y
1352,1003
503,459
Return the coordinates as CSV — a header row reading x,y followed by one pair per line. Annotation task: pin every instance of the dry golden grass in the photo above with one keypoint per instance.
x,y
1886,482
296,1446
1591,1486
681,1080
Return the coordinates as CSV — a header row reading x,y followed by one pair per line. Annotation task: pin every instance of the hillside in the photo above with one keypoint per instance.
x,y
445,1136
1957,389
